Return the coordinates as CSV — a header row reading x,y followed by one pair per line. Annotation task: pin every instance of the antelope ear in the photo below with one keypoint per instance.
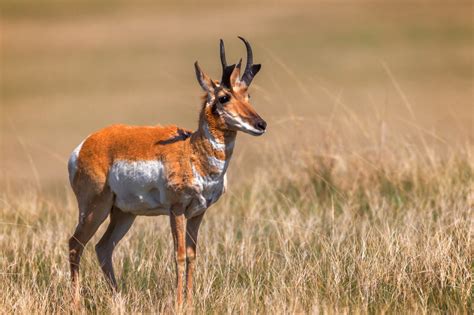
x,y
204,80
235,76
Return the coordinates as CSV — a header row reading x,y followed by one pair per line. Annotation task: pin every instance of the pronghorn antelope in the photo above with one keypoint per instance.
x,y
127,171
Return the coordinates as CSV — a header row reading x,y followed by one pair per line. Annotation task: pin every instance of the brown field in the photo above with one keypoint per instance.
x,y
359,199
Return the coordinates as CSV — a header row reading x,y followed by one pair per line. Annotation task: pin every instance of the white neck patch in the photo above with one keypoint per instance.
x,y
216,145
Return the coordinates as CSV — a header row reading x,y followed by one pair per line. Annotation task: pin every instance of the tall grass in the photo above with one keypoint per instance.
x,y
366,209
326,232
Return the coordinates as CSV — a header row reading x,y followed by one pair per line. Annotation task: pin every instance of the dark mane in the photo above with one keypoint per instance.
x,y
181,136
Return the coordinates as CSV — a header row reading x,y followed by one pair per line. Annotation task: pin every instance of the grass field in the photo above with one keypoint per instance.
x,y
359,199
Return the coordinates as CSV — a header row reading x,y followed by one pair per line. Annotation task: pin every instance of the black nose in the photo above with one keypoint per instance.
x,y
261,125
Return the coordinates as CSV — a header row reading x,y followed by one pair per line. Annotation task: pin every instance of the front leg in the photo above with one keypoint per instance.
x,y
178,229
192,229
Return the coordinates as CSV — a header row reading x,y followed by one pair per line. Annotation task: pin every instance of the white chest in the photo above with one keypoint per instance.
x,y
209,188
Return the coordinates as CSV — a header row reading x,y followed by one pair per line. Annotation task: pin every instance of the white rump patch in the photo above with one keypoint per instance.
x,y
72,163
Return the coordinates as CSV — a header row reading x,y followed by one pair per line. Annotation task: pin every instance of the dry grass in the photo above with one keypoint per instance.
x,y
348,234
359,199
341,227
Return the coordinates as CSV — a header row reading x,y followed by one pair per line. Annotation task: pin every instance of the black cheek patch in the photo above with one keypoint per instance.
x,y
214,109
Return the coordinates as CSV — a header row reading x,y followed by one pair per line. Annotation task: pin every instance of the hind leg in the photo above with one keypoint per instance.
x,y
120,223
93,211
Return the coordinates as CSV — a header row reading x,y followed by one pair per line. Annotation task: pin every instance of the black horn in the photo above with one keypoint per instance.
x,y
226,70
250,69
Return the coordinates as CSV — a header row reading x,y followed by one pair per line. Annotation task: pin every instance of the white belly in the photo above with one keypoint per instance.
x,y
139,187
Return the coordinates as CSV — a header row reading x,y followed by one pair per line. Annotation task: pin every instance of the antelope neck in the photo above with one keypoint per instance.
x,y
213,148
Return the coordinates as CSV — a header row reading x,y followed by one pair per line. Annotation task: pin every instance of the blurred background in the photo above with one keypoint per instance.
x,y
68,68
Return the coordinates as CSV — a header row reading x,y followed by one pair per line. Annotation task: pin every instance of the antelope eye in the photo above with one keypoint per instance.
x,y
224,99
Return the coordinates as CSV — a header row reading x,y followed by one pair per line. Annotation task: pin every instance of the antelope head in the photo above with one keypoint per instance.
x,y
228,100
